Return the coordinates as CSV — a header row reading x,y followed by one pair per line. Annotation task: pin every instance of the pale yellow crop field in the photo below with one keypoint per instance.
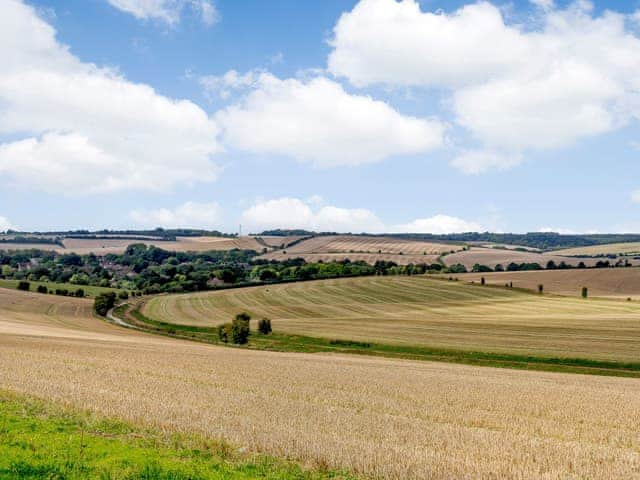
x,y
381,418
423,311
606,249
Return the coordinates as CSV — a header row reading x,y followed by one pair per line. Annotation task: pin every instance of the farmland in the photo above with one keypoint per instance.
x,y
103,246
605,249
369,249
494,256
606,282
375,417
423,311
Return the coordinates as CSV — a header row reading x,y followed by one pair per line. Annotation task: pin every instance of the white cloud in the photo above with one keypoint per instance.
x,y
85,129
293,213
635,196
319,122
473,162
5,224
167,11
187,215
567,75
438,224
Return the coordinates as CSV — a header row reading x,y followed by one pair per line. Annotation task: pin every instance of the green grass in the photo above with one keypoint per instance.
x,y
282,342
43,441
89,291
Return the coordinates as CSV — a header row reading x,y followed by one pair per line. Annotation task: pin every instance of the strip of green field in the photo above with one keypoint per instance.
x,y
42,441
89,290
424,312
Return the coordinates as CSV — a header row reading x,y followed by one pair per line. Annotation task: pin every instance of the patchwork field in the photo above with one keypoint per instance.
x,y
369,249
102,246
422,311
606,249
380,418
602,282
493,256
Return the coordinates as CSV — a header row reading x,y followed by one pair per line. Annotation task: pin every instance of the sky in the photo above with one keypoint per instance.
x,y
330,115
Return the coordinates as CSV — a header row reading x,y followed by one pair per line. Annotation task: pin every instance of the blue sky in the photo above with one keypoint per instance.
x,y
377,115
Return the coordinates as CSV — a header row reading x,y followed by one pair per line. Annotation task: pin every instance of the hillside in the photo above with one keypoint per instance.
x,y
367,248
377,417
631,248
423,311
606,282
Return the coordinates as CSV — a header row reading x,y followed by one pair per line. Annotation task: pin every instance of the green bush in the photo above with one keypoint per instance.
x,y
104,302
224,332
79,293
25,286
264,326
585,292
42,289
240,329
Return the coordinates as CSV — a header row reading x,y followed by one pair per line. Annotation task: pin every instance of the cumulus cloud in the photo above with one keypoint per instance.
x,y
438,224
85,129
167,11
567,75
187,215
5,224
635,196
232,81
293,213
319,122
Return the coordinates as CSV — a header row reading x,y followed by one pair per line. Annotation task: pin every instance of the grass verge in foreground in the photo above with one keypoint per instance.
x,y
40,440
298,343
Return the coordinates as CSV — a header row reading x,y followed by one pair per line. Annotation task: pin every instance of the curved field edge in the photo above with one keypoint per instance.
x,y
45,440
420,311
279,342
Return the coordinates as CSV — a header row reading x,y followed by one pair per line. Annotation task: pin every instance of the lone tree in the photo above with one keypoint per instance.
x,y
482,281
264,326
585,292
540,288
26,286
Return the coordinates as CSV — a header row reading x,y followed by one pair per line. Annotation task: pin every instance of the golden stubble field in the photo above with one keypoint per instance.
x,y
601,282
606,249
366,248
493,256
423,311
380,418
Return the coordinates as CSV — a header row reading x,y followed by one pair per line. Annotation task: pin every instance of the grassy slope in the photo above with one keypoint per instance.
x,y
423,312
43,441
88,290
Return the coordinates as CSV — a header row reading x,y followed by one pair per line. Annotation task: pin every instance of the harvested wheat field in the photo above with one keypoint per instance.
x,y
493,256
423,311
606,249
182,244
601,282
369,249
381,418
370,258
